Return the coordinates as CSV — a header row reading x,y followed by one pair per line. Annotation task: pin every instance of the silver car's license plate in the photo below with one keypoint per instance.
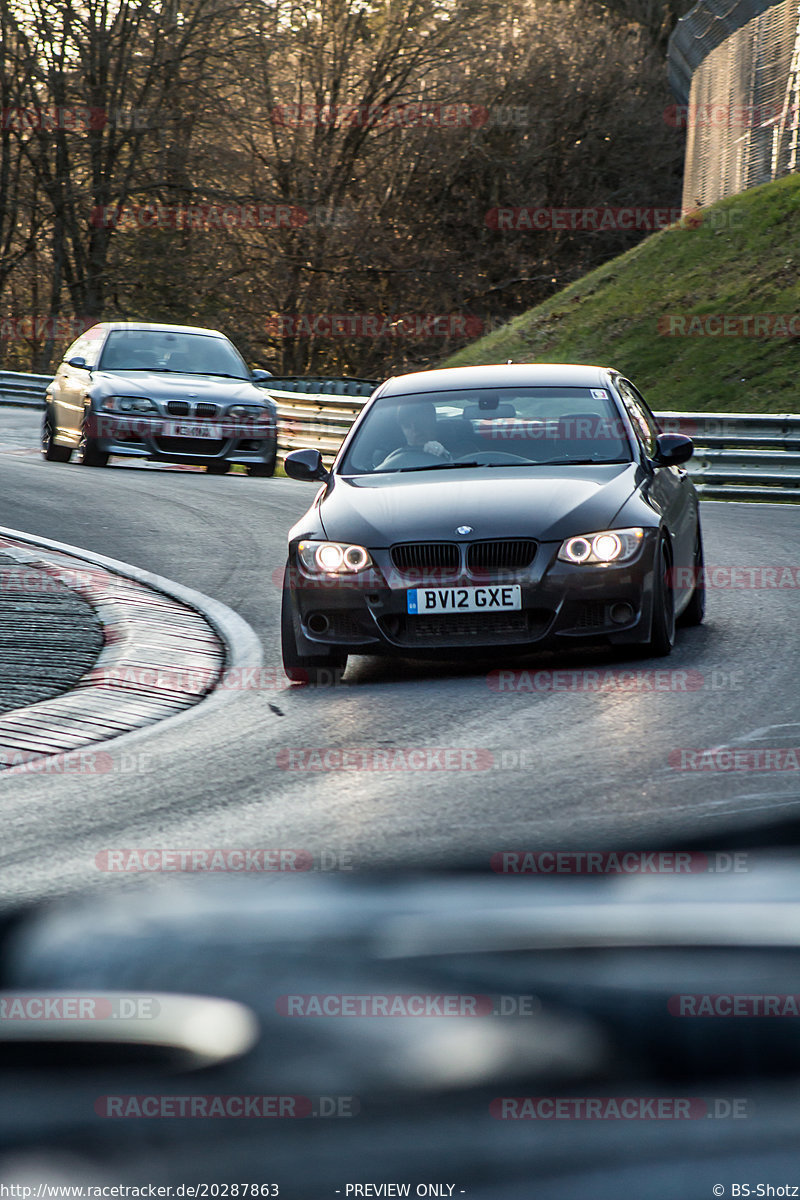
x,y
421,601
178,429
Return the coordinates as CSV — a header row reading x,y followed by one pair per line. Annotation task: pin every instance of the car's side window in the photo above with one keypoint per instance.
x,y
642,419
86,346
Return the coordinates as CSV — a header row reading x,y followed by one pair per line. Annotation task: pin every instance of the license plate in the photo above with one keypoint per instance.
x,y
177,429
421,601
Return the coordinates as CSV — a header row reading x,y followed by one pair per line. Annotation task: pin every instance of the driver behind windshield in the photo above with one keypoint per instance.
x,y
418,423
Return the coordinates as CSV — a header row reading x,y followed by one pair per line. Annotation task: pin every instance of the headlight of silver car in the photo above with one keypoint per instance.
x,y
333,558
255,415
128,404
601,549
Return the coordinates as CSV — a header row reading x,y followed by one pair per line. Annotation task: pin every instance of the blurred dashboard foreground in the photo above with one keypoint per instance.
x,y
501,1036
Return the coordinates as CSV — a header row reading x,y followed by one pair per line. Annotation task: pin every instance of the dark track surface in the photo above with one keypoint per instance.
x,y
573,769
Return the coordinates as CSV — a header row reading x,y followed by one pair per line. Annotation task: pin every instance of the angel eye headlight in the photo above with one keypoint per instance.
x,y
608,546
355,558
576,550
137,404
331,558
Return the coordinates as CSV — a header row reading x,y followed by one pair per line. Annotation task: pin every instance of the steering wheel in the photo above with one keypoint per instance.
x,y
407,456
490,458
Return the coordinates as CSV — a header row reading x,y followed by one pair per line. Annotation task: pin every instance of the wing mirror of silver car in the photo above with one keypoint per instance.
x,y
80,362
306,465
672,449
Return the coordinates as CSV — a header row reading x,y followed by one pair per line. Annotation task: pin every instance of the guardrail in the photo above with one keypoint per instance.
x,y
25,390
742,456
738,456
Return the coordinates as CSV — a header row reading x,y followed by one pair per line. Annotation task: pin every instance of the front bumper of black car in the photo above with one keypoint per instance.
x,y
561,604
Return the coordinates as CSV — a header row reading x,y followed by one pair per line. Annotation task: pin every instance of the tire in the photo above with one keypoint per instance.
x,y
662,629
51,451
696,608
316,670
218,468
88,454
262,470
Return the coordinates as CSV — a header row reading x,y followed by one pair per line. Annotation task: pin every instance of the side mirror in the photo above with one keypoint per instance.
x,y
80,362
305,465
258,376
672,449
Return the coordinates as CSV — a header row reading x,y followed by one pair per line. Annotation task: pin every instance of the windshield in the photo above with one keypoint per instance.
x,y
163,350
522,426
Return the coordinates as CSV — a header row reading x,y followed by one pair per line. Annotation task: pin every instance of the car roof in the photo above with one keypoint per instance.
x,y
157,327
497,375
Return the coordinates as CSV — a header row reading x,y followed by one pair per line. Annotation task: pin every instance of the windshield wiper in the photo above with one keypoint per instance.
x,y
444,466
579,462
173,371
528,462
219,374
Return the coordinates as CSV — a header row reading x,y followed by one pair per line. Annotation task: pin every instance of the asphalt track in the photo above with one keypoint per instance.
x,y
573,760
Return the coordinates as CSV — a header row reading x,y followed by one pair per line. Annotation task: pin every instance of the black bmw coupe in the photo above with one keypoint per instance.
x,y
493,508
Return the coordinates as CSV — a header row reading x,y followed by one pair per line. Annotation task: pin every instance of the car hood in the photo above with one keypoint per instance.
x,y
546,503
174,386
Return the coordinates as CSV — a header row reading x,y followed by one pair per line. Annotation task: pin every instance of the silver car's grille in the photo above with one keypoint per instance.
x,y
182,408
483,558
205,447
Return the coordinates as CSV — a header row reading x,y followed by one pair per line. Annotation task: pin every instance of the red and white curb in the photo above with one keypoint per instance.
x,y
166,649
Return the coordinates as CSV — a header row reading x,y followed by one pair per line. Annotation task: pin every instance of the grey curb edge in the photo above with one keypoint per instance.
x,y
243,649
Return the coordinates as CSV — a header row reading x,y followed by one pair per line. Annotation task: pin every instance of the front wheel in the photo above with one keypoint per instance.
x,y
662,629
50,450
88,453
317,669
696,608
263,470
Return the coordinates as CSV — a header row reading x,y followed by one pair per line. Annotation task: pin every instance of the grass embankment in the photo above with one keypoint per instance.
x,y
742,259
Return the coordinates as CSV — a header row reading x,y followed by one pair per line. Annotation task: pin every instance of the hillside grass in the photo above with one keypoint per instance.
x,y
742,258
